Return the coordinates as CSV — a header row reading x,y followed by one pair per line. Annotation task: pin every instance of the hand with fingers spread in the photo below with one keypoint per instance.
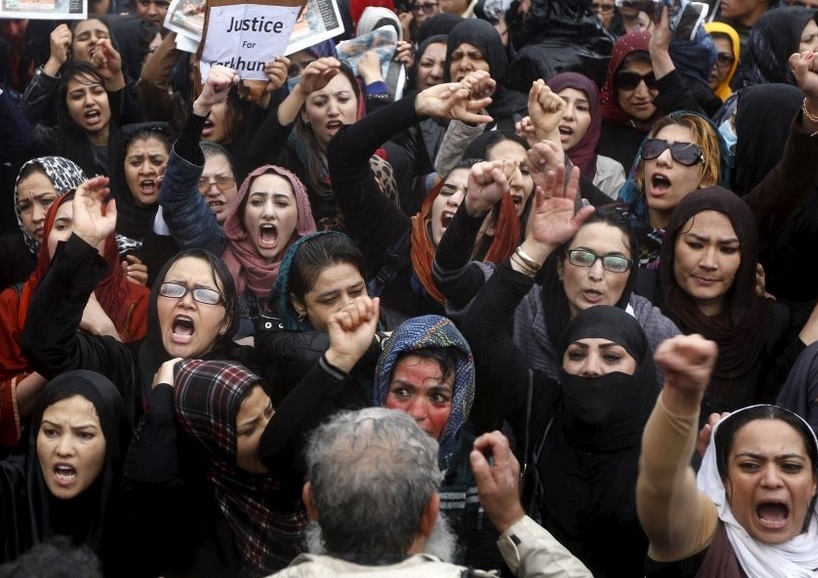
x,y
487,183
94,219
220,79
498,480
351,331
553,221
457,100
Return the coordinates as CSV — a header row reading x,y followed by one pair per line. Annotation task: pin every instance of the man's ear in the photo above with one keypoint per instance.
x,y
306,495
429,517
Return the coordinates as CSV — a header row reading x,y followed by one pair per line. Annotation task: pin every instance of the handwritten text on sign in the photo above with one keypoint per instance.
x,y
245,36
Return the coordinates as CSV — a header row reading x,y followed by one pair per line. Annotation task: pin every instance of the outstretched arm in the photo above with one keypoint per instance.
x,y
676,516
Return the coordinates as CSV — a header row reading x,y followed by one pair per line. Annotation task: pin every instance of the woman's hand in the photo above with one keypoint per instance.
x,y
462,100
108,62
805,69
553,221
60,45
545,109
487,183
687,362
166,373
659,46
94,220
276,72
351,331
95,321
544,156
405,53
317,75
369,67
220,79
135,270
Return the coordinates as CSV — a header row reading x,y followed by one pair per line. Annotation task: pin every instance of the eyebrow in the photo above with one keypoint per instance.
x,y
756,456
723,241
439,385
275,194
333,292
74,427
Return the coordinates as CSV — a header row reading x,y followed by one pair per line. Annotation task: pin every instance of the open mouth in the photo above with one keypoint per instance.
x,y
208,128
334,126
592,295
147,186
773,515
65,474
92,116
215,204
446,219
182,328
268,236
659,183
517,199
566,130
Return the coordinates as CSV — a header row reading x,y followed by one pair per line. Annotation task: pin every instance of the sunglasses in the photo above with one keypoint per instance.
x,y
224,184
200,294
602,8
725,59
585,258
629,80
427,7
685,153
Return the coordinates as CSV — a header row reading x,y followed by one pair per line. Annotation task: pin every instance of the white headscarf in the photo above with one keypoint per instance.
x,y
795,558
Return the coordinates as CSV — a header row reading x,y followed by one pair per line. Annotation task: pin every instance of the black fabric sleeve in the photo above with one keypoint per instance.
x,y
502,370
187,145
674,95
451,272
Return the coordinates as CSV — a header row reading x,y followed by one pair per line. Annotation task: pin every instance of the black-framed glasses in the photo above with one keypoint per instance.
x,y
602,8
725,59
224,184
203,295
427,7
585,258
629,80
686,153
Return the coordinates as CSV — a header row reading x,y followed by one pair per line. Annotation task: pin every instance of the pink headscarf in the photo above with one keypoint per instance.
x,y
248,268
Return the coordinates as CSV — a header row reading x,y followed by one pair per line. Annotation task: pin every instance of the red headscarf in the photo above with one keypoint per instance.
x,y
636,41
506,235
583,154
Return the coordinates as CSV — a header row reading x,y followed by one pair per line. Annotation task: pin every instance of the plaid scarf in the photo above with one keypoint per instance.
x,y
267,519
431,331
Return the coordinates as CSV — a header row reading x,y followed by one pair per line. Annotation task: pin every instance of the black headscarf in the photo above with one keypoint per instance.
x,y
441,23
589,463
772,40
479,33
133,220
764,115
739,328
422,47
89,517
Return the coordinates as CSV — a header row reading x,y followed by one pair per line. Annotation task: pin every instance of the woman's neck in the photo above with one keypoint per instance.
x,y
100,138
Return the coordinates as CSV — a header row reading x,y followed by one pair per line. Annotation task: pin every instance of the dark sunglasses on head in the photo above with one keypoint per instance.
x,y
204,295
629,80
685,153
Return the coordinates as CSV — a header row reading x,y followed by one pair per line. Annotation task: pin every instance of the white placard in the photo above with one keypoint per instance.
x,y
245,36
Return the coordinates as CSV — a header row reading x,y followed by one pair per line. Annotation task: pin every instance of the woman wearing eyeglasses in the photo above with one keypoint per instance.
x,y
577,262
192,311
580,418
727,52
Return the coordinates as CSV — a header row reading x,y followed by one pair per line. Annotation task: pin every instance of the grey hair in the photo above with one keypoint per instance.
x,y
372,473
